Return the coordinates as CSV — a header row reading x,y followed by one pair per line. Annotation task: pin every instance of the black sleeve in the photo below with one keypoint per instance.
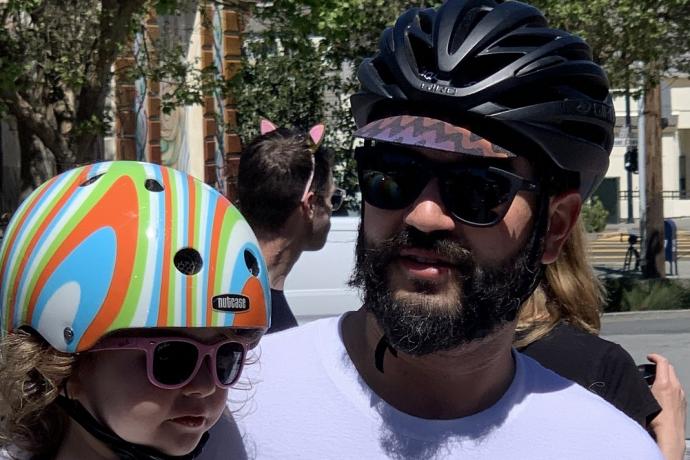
x,y
281,316
625,387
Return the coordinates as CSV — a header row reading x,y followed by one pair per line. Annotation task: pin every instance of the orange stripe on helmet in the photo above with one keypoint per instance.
x,y
120,200
191,224
42,227
13,238
165,269
256,315
219,212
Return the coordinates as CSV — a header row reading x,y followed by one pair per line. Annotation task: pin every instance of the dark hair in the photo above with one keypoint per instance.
x,y
273,171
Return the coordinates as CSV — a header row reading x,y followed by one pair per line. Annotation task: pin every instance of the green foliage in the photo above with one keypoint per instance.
x,y
634,294
300,69
56,67
635,40
594,215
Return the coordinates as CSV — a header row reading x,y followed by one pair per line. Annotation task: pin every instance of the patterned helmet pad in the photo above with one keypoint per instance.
x,y
432,134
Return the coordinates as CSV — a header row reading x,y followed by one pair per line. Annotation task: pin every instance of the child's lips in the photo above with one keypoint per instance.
x,y
189,421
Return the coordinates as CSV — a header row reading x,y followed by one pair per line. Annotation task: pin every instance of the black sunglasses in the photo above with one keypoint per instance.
x,y
337,199
392,177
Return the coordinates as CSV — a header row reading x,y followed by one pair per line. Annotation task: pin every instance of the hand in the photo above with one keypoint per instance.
x,y
669,425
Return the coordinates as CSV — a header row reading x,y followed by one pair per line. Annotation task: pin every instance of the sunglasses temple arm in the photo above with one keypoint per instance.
x,y
311,178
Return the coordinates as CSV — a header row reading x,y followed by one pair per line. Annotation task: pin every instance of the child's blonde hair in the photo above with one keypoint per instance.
x,y
570,292
32,374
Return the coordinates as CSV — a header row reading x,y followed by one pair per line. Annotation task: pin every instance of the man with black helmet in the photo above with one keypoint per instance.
x,y
483,132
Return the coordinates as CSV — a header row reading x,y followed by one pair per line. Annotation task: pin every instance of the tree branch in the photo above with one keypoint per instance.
x,y
37,123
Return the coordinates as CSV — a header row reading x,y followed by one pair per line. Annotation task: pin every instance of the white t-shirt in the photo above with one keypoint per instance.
x,y
308,402
13,453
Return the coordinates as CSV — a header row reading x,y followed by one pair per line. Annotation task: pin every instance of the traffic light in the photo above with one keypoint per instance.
x,y
630,159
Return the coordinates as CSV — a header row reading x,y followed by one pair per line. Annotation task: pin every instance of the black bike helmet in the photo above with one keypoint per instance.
x,y
474,71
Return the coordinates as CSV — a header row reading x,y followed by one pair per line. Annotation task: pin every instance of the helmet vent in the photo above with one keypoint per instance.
x,y
524,41
91,180
251,262
423,57
463,28
188,261
152,185
426,20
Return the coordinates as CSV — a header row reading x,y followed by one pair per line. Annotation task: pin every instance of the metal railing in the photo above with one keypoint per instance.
x,y
666,194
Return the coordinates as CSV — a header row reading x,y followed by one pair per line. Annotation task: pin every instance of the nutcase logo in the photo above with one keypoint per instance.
x,y
234,303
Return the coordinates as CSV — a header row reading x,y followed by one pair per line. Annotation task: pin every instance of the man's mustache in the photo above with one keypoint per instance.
x,y
440,243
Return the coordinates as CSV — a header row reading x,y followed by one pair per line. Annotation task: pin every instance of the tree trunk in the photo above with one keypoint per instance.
x,y
116,16
653,251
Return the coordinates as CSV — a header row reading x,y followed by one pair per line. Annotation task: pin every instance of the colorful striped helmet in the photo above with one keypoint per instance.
x,y
124,245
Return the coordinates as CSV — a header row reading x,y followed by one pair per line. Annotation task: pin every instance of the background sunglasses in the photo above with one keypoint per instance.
x,y
172,362
392,177
337,199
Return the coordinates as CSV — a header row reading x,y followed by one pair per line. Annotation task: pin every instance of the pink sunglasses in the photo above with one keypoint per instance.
x,y
173,362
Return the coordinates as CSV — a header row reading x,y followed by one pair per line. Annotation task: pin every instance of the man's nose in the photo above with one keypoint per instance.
x,y
428,213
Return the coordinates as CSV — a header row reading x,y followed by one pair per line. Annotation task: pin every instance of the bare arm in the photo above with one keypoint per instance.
x,y
669,425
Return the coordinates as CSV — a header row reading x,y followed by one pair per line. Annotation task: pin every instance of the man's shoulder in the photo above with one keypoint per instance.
x,y
302,332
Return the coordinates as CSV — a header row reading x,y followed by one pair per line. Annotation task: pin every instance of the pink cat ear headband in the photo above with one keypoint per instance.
x,y
316,134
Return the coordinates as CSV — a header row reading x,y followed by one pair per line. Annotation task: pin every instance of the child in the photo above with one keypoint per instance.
x,y
129,296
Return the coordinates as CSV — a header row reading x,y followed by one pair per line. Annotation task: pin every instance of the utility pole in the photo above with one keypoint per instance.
x,y
628,152
642,178
653,244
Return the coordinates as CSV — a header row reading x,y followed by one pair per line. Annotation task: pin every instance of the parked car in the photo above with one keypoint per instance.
x,y
317,284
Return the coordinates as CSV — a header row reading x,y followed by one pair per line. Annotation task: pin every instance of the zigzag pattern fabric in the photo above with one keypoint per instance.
x,y
430,133
92,250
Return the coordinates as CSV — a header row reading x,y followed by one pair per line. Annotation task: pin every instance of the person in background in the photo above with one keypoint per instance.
x,y
559,326
286,192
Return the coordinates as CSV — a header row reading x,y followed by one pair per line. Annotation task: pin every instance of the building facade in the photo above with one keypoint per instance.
x,y
675,143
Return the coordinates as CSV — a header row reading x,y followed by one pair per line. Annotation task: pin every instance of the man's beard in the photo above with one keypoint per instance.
x,y
486,297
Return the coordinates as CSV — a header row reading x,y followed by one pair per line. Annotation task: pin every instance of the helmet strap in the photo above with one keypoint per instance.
x,y
123,449
380,352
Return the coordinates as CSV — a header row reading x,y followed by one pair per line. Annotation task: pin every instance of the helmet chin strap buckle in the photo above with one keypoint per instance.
x,y
123,449
380,352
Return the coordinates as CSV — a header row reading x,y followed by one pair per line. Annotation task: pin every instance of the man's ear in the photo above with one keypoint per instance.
x,y
564,209
308,204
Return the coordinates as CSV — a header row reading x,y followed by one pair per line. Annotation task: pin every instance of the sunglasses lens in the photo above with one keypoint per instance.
x,y
174,362
389,179
229,362
478,196
389,189
337,199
